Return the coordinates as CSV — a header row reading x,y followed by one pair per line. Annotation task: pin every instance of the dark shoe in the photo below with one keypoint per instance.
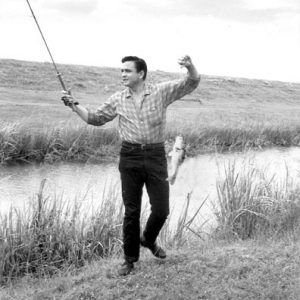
x,y
154,248
125,268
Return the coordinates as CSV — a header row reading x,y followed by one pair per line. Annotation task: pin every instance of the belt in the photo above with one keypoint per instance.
x,y
143,146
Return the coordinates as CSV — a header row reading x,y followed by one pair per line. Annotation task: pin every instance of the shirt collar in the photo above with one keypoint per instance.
x,y
147,90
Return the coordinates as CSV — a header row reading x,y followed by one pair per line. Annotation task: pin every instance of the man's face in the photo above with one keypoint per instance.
x,y
130,77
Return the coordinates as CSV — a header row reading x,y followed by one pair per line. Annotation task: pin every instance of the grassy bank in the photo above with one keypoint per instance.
x,y
82,144
222,114
18,143
250,204
253,252
239,270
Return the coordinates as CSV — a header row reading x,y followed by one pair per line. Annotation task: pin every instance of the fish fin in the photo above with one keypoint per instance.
x,y
171,179
170,154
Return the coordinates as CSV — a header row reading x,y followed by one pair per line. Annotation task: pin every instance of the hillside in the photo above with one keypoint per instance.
x,y
24,83
103,81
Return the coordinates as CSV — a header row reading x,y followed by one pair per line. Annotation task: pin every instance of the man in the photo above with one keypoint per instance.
x,y
141,108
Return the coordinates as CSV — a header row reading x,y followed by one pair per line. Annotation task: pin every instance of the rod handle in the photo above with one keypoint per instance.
x,y
63,85
61,82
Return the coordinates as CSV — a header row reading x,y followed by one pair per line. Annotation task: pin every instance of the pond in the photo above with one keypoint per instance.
x,y
87,182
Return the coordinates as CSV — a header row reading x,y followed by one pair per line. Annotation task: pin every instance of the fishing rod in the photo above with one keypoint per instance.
x,y
58,74
53,62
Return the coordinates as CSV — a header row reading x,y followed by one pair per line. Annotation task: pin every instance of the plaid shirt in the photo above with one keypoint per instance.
x,y
144,124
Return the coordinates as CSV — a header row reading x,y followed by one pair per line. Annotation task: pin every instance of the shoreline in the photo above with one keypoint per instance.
x,y
85,144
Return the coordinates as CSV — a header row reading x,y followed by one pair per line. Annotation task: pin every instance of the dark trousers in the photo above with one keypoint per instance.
x,y
141,166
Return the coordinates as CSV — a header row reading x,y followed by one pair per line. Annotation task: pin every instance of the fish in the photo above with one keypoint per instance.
x,y
177,157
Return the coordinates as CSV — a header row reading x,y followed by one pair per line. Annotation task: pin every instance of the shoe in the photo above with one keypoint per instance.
x,y
154,248
125,269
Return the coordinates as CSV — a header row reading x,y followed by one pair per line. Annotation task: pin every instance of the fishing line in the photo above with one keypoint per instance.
x,y
53,62
58,74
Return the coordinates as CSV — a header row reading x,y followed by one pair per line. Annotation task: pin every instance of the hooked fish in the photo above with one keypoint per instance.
x,y
177,156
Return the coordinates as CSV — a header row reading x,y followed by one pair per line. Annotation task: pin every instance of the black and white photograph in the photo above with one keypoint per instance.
x,y
149,149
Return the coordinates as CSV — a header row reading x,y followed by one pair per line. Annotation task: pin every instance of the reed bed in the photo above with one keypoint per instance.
x,y
18,143
226,138
52,234
250,204
187,227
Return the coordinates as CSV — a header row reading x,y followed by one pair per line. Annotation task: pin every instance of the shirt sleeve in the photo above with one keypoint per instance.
x,y
176,89
105,113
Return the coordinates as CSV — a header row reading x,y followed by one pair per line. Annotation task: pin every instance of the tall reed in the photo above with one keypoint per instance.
x,y
52,233
21,144
18,143
250,204
231,137
185,228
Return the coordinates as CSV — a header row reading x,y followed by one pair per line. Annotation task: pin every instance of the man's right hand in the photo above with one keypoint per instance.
x,y
68,99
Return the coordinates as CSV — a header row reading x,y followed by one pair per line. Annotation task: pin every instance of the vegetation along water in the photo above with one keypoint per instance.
x,y
223,114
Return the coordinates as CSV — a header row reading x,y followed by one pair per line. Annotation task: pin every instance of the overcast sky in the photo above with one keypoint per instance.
x,y
241,38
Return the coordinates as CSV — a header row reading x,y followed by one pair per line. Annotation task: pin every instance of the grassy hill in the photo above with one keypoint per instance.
x,y
36,76
221,114
30,83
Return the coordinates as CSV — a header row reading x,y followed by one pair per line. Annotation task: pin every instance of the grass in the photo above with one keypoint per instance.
x,y
249,204
80,143
53,234
248,270
18,144
223,114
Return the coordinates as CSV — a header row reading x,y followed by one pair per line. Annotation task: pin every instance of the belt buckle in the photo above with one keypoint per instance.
x,y
143,146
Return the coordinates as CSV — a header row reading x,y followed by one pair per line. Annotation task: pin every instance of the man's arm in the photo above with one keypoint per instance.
x,y
81,111
185,61
176,89
103,114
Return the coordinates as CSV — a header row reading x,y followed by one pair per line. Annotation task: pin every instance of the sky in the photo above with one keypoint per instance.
x,y
237,38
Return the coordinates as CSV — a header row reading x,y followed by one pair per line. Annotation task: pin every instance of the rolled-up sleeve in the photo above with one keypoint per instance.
x,y
105,113
174,90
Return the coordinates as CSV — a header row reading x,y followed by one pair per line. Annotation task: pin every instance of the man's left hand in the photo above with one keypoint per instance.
x,y
185,61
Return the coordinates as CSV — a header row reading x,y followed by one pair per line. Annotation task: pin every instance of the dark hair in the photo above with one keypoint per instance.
x,y
139,63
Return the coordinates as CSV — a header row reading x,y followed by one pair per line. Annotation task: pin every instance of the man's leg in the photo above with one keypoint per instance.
x,y
132,187
158,191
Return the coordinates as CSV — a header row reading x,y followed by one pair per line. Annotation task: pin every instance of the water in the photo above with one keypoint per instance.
x,y
86,182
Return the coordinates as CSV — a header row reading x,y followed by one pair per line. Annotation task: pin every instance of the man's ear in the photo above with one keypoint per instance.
x,y
141,73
